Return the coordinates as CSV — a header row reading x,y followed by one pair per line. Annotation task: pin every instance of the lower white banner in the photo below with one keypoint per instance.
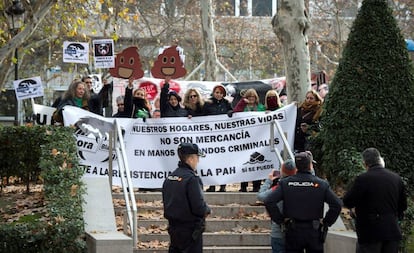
x,y
238,149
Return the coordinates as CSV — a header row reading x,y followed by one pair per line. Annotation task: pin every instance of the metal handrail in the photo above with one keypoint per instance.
x,y
285,142
127,186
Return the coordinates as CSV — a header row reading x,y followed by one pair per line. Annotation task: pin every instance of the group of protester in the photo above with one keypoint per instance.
x,y
294,199
135,104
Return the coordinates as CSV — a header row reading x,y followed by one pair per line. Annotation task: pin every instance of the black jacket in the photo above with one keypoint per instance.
x,y
183,197
165,107
216,107
199,111
97,101
379,198
303,198
58,114
120,115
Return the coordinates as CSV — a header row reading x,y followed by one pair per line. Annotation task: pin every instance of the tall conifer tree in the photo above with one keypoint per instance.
x,y
371,102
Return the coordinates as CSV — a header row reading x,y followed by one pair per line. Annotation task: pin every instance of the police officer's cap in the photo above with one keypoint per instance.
x,y
190,148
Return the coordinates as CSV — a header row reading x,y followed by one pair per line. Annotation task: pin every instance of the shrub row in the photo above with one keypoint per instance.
x,y
51,153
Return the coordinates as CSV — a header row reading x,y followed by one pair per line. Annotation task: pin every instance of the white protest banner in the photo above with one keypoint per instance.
x,y
103,52
76,52
28,88
96,82
43,114
237,148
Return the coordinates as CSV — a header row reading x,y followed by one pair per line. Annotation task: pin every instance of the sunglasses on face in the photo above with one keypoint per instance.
x,y
193,96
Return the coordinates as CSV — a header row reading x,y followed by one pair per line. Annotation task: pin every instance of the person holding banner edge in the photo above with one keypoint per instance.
x,y
75,95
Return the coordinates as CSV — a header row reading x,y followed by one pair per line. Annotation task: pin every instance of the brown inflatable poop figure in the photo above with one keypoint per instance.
x,y
127,64
169,64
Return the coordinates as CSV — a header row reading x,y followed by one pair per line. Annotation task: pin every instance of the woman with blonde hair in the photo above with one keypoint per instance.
x,y
250,102
307,119
272,101
193,103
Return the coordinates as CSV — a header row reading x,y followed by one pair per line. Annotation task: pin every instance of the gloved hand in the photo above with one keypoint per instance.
x,y
323,230
230,113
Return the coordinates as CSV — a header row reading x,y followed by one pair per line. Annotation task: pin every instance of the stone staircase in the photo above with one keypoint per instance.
x,y
238,223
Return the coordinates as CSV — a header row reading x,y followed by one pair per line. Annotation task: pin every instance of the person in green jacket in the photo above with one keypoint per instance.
x,y
250,102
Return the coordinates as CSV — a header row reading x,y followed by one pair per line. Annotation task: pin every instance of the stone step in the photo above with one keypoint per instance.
x,y
212,198
214,249
238,223
218,239
229,211
214,225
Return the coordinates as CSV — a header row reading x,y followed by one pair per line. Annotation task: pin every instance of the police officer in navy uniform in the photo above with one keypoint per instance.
x,y
303,198
184,204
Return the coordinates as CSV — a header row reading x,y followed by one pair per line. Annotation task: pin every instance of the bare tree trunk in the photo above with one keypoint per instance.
x,y
41,9
291,24
209,42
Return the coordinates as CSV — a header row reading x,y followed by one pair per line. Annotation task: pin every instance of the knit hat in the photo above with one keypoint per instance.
x,y
288,168
222,89
174,93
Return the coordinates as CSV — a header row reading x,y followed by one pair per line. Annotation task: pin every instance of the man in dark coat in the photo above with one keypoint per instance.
x,y
379,199
184,205
96,101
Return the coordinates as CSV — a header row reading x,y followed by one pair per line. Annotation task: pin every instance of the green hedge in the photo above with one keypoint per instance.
x,y
50,151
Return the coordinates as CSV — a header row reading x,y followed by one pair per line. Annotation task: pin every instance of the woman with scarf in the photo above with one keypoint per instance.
x,y
136,104
272,101
76,95
170,102
307,119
